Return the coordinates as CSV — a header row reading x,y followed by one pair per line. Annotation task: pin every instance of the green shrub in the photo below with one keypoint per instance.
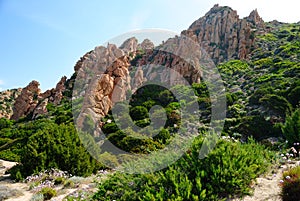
x,y
5,123
257,127
291,128
48,193
59,180
110,128
290,184
162,136
229,169
138,113
55,146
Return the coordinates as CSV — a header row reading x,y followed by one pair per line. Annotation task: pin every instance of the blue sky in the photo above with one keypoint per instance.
x,y
42,40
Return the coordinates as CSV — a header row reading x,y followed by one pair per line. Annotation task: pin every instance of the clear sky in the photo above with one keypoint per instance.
x,y
42,40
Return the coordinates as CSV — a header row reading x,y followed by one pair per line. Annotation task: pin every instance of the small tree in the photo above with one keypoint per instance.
x,y
291,128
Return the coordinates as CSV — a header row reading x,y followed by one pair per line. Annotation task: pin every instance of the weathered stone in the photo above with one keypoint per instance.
x,y
26,101
223,35
41,109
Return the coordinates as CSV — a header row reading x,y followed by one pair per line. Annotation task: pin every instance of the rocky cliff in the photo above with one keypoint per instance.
x,y
105,71
224,35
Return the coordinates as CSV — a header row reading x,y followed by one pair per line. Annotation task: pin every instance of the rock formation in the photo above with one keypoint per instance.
x,y
58,91
26,101
40,109
32,102
223,35
105,74
7,99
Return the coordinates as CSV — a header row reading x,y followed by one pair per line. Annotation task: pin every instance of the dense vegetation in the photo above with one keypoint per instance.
x,y
228,170
262,95
45,143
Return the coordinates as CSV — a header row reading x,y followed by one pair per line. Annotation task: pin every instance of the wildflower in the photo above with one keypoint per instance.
x,y
288,177
284,158
109,121
282,155
289,161
281,181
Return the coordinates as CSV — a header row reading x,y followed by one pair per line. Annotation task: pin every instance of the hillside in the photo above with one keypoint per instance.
x,y
237,79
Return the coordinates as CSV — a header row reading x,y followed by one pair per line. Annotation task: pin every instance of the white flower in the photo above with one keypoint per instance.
x,y
288,177
281,181
289,161
282,155
284,158
109,121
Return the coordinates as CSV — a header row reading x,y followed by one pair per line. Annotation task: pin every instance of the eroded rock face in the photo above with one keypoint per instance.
x,y
32,101
146,45
103,79
58,91
26,101
223,35
130,45
7,99
40,109
103,74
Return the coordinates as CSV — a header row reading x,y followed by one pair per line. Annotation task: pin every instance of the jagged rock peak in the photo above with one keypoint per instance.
x,y
33,103
224,35
255,18
129,45
146,45
27,101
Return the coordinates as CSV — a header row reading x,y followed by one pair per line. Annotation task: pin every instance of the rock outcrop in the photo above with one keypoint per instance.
x,y
32,102
40,109
7,100
146,45
26,101
58,91
224,35
105,74
103,79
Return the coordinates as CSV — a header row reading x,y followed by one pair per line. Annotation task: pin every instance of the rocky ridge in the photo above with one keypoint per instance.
x,y
224,35
220,33
32,102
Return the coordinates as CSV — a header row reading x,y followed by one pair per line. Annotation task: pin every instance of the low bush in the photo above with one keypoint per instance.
x,y
48,193
55,146
290,184
291,128
228,170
